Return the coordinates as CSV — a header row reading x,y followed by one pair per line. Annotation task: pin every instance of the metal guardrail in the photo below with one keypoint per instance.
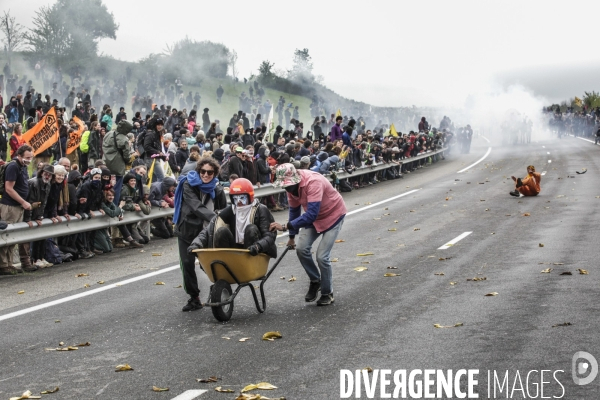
x,y
22,233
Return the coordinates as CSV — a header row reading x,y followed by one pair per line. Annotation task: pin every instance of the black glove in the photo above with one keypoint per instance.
x,y
254,250
193,247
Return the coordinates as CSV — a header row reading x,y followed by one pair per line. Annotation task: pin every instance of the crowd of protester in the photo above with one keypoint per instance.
x,y
127,164
582,123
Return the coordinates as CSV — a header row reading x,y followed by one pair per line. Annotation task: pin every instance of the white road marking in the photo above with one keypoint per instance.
x,y
549,161
161,271
478,161
548,152
86,293
543,173
454,241
486,139
543,147
190,394
587,140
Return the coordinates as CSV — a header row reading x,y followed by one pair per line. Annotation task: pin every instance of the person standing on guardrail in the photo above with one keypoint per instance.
x,y
89,198
324,212
13,202
161,227
197,198
117,155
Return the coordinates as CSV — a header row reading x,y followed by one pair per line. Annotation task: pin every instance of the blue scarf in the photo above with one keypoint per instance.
x,y
194,180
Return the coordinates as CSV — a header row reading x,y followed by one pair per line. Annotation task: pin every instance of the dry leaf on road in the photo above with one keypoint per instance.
x,y
292,279
365,254
81,275
477,278
244,339
26,395
526,215
260,385
547,270
492,294
541,245
390,274
448,326
582,271
416,229
566,273
221,390
392,229
21,292
123,367
159,283
272,335
361,269
157,389
563,324
392,267
100,282
340,241
210,379
56,389
439,273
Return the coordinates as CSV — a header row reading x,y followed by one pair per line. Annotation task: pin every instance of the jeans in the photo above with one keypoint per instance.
x,y
158,174
117,188
303,249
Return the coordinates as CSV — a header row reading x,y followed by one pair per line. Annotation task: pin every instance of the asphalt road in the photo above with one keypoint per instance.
x,y
376,321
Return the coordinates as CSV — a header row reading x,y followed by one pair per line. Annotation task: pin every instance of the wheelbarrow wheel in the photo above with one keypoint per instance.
x,y
221,291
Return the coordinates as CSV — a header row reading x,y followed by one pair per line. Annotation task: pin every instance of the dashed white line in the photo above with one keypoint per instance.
x,y
549,161
478,161
587,140
543,173
190,394
548,152
454,241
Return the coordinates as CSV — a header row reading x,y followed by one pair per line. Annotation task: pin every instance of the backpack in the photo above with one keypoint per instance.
x,y
224,174
140,142
3,176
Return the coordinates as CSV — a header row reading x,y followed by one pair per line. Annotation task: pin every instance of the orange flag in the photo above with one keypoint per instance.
x,y
44,134
75,137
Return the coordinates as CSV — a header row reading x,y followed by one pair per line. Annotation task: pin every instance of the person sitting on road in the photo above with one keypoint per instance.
x,y
528,186
243,224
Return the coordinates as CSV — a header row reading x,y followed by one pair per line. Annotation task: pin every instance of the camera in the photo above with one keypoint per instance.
x,y
128,199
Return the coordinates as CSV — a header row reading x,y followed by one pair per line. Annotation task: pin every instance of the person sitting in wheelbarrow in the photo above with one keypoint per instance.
x,y
242,225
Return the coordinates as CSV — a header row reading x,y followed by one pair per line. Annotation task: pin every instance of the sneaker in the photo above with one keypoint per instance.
x,y
325,300
515,193
313,291
46,263
31,268
98,252
192,304
86,255
135,245
39,264
8,271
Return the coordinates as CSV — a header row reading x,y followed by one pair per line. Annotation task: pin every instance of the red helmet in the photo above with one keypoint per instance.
x,y
242,186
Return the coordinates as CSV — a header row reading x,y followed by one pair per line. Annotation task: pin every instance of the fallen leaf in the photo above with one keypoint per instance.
x,y
390,274
547,270
272,335
365,254
392,230
563,324
61,343
507,215
177,287
260,385
452,283
156,254
123,367
292,279
340,241
157,389
367,204
392,267
282,277
100,282
385,209
444,259
375,219
56,389
487,209
481,200
566,273
244,339
541,245
57,321
335,259
26,395
492,294
210,379
365,262
84,344
21,292
448,326
360,269
447,198
225,337
416,229
526,215
87,285
81,275
582,271
221,390
159,283
368,369
386,214
558,263
439,273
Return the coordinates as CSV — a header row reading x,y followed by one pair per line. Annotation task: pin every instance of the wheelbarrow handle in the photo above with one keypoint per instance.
x,y
277,262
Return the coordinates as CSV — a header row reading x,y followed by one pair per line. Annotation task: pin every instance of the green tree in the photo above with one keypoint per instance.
x,y
302,68
68,32
13,34
266,76
591,99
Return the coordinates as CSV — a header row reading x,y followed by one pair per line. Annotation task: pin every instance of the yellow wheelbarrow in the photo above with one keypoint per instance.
x,y
234,266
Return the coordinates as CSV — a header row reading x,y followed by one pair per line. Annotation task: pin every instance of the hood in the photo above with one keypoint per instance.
x,y
333,159
166,184
124,127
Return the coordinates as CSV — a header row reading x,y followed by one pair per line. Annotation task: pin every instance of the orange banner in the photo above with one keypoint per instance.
x,y
75,137
44,134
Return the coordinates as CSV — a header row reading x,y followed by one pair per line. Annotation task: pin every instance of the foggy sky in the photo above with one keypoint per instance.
x,y
388,53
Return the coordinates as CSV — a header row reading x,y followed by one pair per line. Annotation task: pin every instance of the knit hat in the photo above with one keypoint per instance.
x,y
305,160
